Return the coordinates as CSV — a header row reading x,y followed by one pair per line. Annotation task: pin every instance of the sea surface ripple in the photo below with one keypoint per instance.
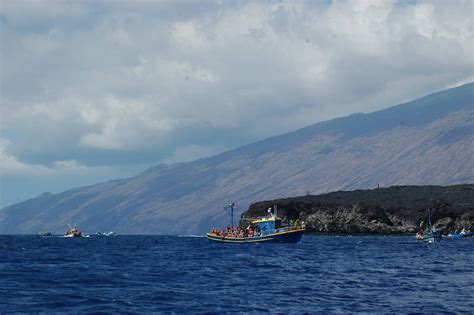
x,y
192,275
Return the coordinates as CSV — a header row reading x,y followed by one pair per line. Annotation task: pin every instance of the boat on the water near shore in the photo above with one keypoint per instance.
x,y
111,233
464,233
428,234
43,234
73,232
268,229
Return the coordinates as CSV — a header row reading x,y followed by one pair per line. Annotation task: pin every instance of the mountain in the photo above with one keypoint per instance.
x,y
428,141
392,210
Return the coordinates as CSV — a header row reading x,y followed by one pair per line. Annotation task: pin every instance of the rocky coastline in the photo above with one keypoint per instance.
x,y
396,210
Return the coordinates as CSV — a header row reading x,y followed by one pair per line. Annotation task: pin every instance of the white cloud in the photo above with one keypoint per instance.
x,y
105,82
70,165
424,19
187,36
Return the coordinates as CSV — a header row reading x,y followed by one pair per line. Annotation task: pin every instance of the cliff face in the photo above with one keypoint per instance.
x,y
393,210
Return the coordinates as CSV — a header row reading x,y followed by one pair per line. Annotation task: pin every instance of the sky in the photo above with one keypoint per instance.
x,y
98,90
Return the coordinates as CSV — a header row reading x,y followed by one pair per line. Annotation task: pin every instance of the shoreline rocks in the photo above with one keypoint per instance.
x,y
395,210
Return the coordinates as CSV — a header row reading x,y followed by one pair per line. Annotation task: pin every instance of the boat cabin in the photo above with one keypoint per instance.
x,y
268,225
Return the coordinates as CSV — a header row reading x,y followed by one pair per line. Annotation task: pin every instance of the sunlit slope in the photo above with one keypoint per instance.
x,y
426,141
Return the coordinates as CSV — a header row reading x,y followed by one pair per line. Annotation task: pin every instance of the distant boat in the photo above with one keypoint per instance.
x,y
268,229
42,234
428,234
73,232
463,234
111,233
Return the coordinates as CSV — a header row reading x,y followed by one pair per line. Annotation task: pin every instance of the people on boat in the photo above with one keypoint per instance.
x,y
73,232
422,232
237,232
253,230
300,224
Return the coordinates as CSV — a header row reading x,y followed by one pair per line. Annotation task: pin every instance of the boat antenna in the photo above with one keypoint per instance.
x,y
429,218
231,207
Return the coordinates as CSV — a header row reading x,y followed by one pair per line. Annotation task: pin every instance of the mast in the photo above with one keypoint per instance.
x,y
429,218
231,206
232,214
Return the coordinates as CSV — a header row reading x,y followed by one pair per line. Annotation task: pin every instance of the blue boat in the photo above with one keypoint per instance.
x,y
268,229
463,234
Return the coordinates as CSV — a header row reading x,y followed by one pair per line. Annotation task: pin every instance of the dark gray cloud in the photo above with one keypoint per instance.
x,y
117,84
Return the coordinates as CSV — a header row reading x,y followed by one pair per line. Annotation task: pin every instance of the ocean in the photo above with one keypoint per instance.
x,y
183,275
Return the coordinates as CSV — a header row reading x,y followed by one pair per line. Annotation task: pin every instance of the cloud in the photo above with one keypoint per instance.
x,y
20,180
119,82
9,164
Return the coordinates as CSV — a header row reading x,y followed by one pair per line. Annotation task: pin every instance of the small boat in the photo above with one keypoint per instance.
x,y
73,232
43,234
463,234
428,234
267,229
111,233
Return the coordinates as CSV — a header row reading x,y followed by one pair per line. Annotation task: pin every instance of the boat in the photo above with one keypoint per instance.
x,y
463,234
268,229
43,234
428,234
111,233
73,232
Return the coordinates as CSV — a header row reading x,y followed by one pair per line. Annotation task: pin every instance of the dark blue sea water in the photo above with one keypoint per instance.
x,y
191,275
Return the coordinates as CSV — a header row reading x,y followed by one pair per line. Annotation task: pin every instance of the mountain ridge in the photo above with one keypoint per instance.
x,y
466,94
398,145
